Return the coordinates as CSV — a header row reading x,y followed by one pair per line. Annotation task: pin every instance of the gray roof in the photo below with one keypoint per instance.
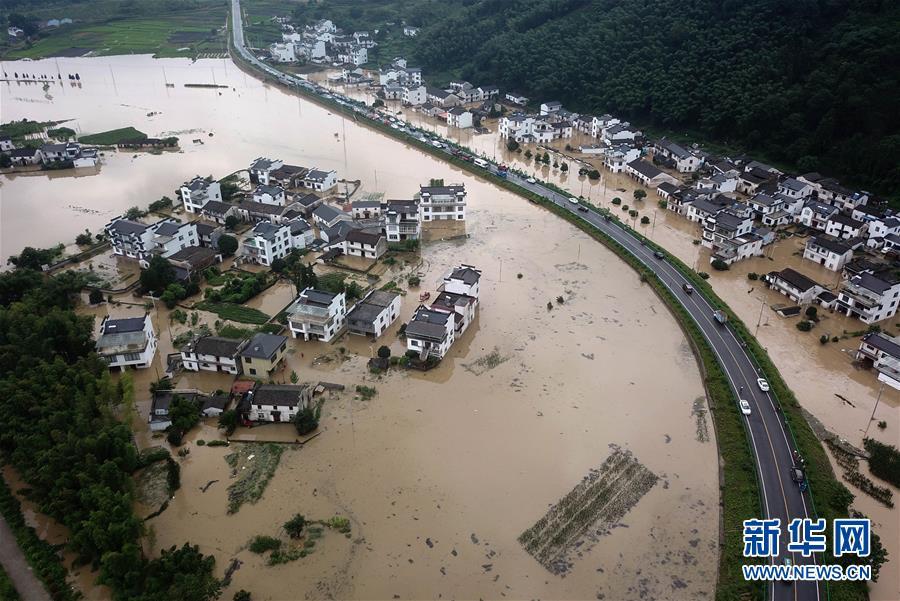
x,y
883,343
846,220
307,199
313,296
644,168
316,175
169,228
793,184
216,207
795,279
266,229
263,346
260,207
466,274
764,200
270,190
298,225
829,243
442,189
214,345
871,282
193,255
124,226
428,324
262,164
362,237
281,395
370,308
673,148
366,204
127,324
327,213
667,187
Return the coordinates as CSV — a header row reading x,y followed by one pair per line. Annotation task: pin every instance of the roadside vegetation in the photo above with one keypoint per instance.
x,y
7,590
299,538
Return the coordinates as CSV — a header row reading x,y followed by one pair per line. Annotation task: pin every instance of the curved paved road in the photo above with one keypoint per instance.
x,y
13,560
772,448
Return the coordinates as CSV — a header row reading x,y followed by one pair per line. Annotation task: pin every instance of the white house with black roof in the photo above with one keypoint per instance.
x,y
262,168
844,227
794,285
326,216
829,252
276,402
270,195
319,180
317,315
438,203
266,242
648,175
213,353
127,342
402,220
136,240
882,350
430,333
364,244
374,314
869,297
682,159
218,211
199,191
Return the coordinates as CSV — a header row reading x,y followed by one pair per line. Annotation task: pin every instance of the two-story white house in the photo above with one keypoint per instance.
x,y
276,402
197,192
647,174
136,240
844,227
794,285
437,203
127,342
374,314
319,180
815,214
367,245
459,117
682,159
317,315
414,95
213,353
828,252
868,297
261,168
402,220
266,242
430,333
270,195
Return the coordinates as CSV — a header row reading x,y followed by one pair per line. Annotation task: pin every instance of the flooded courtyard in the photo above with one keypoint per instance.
x,y
439,473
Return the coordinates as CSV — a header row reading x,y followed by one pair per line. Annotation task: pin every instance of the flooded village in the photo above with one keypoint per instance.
x,y
527,365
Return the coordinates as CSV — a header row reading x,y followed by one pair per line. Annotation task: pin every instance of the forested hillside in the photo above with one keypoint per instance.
x,y
813,84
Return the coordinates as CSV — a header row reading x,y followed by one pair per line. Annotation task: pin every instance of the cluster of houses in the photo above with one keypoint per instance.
x,y
433,330
398,81
322,43
50,154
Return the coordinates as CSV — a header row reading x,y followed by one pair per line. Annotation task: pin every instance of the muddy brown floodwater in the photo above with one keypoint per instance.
x,y
440,473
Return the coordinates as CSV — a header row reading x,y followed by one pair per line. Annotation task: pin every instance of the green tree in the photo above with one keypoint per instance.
x,y
384,352
719,265
231,222
564,167
228,421
158,275
242,595
95,296
84,239
228,245
294,526
512,145
134,213
5,161
640,194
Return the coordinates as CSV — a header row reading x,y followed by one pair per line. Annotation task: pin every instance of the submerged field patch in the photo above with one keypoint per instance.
x,y
588,511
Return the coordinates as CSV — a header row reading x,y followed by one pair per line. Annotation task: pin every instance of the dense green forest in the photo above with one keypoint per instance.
x,y
810,84
58,406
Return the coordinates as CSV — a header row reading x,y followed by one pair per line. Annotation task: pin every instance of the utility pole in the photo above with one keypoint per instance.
x,y
874,409
762,304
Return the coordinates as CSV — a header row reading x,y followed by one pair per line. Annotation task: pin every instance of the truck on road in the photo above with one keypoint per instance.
x,y
721,317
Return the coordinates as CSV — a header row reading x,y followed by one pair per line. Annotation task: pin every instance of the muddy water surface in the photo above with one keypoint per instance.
x,y
465,461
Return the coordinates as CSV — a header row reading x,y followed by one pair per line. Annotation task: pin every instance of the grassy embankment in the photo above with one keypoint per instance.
x,y
234,312
113,136
19,131
163,28
740,494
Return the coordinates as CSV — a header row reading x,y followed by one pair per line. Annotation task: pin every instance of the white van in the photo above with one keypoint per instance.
x,y
481,163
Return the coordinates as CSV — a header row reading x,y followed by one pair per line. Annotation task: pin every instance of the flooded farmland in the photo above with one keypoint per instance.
x,y
439,473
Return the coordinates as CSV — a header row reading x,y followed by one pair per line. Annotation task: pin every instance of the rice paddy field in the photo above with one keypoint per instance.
x,y
194,29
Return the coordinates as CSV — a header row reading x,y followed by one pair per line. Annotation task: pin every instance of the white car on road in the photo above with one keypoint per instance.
x,y
531,180
573,200
763,385
745,407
